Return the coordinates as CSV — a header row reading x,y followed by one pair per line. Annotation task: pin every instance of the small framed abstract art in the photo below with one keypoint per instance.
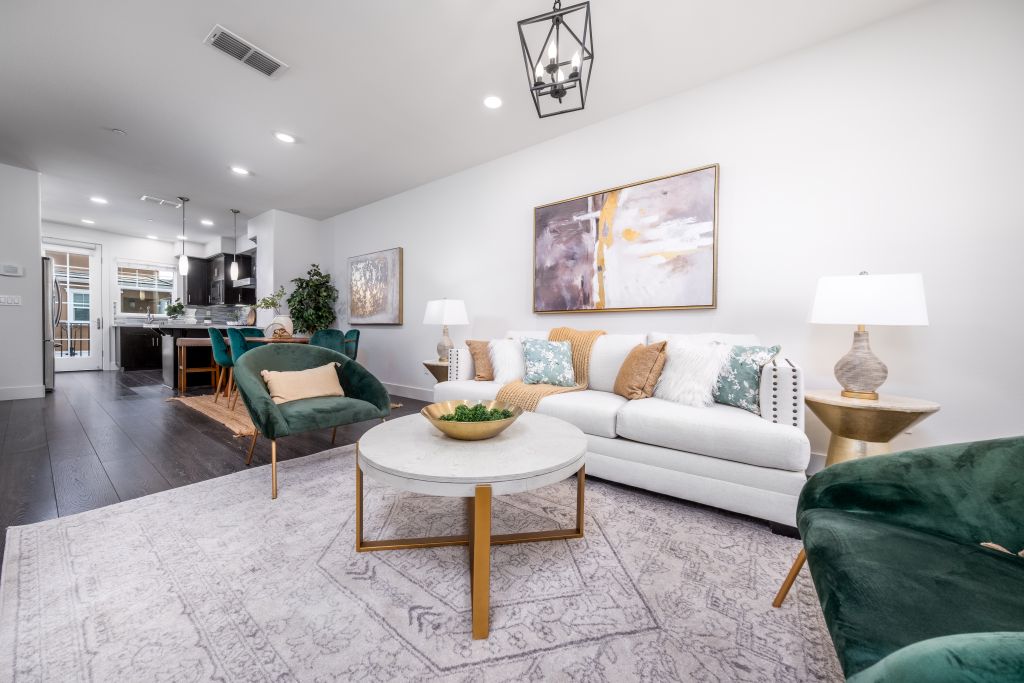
x,y
651,245
375,288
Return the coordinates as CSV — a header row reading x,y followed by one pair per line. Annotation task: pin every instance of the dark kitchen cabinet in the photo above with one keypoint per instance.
x,y
218,288
138,348
197,282
240,295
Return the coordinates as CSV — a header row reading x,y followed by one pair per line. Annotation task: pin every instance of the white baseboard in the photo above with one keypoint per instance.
x,y
409,392
15,393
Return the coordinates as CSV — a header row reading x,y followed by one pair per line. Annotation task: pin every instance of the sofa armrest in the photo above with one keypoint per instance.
x,y
460,365
974,657
782,393
970,492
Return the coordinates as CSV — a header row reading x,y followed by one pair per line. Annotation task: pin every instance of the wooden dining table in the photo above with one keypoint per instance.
x,y
185,343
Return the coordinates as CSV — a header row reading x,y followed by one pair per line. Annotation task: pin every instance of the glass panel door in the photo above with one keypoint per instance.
x,y
77,340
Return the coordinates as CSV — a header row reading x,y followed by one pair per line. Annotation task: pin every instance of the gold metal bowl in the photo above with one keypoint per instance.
x,y
469,431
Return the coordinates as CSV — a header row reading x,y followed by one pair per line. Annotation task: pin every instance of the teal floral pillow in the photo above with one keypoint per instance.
x,y
739,382
548,362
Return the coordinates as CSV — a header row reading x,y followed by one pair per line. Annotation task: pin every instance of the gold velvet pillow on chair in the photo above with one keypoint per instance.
x,y
483,372
640,371
299,384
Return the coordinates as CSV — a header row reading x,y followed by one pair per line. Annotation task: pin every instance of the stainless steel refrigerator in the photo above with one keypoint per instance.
x,y
51,313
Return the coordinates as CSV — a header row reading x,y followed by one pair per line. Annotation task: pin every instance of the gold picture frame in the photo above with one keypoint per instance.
x,y
666,232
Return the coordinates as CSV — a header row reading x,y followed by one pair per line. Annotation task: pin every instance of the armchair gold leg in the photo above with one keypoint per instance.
x,y
798,564
273,469
334,434
252,448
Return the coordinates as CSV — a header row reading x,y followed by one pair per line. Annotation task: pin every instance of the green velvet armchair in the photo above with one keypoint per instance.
x,y
365,397
893,547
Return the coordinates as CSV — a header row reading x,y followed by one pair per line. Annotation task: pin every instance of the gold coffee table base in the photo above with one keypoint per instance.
x,y
479,539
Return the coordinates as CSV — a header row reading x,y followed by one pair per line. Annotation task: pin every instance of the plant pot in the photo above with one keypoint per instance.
x,y
280,322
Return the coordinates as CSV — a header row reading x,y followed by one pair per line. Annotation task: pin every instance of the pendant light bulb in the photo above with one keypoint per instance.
x,y
560,76
553,50
183,262
233,270
539,73
576,61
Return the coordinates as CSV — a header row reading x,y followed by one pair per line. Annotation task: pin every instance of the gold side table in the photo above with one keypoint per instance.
x,y
860,428
437,368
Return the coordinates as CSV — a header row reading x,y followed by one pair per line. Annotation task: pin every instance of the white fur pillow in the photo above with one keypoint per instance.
x,y
691,372
507,360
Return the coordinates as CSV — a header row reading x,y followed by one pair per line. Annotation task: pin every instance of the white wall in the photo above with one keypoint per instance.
x,y
286,246
897,148
21,362
114,248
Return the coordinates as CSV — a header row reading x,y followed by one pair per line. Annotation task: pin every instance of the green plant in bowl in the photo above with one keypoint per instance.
x,y
477,413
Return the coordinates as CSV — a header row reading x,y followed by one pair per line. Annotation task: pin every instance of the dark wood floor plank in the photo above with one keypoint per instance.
x,y
26,488
135,477
25,428
81,484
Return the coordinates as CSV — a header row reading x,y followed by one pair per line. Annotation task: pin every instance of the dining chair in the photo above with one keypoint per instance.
x,y
223,362
239,345
336,340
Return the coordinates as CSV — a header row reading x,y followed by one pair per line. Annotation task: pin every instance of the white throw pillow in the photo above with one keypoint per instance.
x,y
691,372
507,360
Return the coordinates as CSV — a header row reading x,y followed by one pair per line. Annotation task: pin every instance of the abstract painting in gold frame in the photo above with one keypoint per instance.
x,y
651,245
375,288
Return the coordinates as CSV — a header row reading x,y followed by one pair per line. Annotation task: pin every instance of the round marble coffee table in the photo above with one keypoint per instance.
x,y
408,453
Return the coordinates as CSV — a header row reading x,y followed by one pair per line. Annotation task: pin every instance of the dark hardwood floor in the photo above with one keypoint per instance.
x,y
104,437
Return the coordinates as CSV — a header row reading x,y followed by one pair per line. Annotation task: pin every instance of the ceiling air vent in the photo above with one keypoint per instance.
x,y
244,51
160,202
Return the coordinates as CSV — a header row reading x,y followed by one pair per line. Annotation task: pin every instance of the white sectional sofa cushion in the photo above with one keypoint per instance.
x,y
607,356
466,390
706,338
720,431
592,411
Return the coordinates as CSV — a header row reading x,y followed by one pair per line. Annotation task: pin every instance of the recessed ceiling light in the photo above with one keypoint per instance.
x,y
239,170
149,220
492,102
98,200
152,237
207,222
88,221
284,137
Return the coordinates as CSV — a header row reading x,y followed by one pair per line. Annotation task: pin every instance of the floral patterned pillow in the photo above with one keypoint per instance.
x,y
739,382
548,362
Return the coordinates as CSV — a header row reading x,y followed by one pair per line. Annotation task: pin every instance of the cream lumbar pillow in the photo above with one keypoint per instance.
x,y
691,372
298,384
507,360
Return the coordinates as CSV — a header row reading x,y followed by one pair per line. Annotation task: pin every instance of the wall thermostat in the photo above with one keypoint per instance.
x,y
12,270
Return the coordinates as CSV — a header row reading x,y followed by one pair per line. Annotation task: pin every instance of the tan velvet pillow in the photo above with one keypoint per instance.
x,y
640,371
298,384
481,360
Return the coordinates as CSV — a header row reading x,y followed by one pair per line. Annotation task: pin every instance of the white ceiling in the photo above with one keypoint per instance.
x,y
383,96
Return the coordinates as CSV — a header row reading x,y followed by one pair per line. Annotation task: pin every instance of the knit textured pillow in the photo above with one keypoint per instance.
x,y
480,351
548,362
640,371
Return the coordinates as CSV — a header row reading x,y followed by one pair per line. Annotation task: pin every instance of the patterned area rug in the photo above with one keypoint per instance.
x,y
215,581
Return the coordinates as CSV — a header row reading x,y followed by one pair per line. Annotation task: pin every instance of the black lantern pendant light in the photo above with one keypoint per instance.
x,y
558,48
233,271
183,260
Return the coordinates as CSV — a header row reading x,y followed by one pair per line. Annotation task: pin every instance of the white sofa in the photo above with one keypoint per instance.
x,y
720,456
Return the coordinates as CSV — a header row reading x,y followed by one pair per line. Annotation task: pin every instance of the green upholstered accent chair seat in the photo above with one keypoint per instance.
x,y
343,342
365,397
893,547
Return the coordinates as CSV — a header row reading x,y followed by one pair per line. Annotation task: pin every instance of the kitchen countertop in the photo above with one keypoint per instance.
x,y
170,325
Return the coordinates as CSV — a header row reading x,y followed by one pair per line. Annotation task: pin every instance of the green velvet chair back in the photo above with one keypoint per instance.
x,y
359,385
342,342
221,352
239,343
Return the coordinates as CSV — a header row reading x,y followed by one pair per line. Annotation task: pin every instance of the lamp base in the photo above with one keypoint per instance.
x,y
860,372
444,346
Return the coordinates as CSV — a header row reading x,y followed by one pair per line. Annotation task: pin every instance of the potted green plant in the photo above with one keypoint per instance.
x,y
311,303
272,302
175,309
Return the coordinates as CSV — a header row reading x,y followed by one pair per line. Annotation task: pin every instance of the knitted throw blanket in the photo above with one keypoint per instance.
x,y
527,396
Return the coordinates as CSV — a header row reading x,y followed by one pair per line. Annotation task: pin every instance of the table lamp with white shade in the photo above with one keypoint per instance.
x,y
867,300
445,312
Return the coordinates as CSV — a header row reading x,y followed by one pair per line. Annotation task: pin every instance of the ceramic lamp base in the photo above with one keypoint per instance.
x,y
444,346
860,372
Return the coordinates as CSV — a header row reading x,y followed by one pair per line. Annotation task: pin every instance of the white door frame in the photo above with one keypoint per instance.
x,y
94,360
